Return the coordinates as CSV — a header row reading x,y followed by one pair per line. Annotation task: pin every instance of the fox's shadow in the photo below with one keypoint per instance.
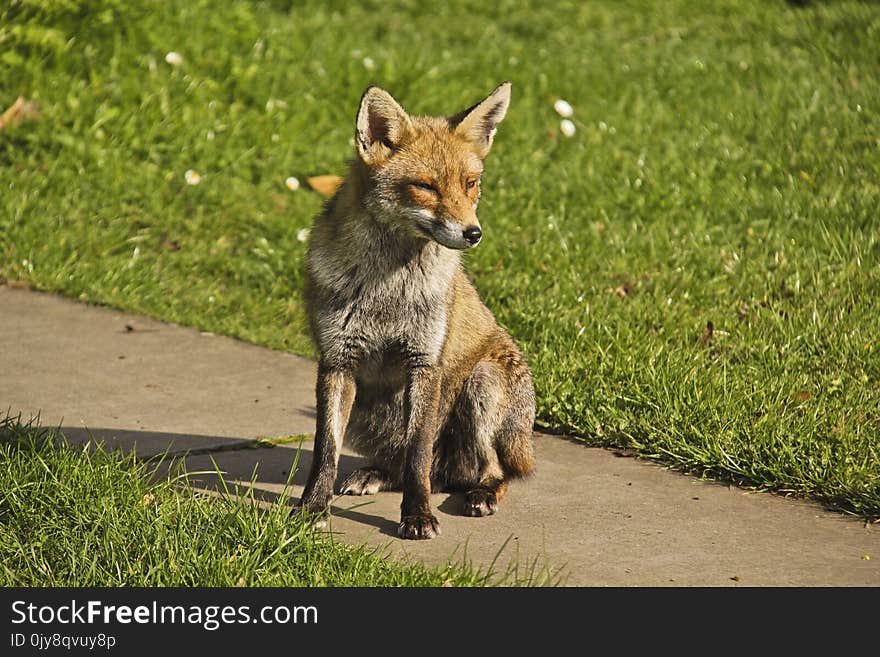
x,y
243,467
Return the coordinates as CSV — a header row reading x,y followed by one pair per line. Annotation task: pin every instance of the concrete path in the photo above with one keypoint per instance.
x,y
588,517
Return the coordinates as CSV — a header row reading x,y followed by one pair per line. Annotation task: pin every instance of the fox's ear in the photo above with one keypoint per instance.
x,y
478,123
381,125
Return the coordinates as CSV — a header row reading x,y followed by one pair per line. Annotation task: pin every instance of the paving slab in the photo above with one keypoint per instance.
x,y
128,379
588,517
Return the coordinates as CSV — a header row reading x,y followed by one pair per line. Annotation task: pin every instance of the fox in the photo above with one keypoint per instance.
x,y
414,371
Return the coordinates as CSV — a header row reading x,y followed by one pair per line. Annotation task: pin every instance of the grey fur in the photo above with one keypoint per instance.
x,y
442,396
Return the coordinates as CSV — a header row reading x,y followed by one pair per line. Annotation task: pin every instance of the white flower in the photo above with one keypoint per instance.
x,y
567,127
563,108
192,177
369,64
292,184
174,58
272,103
303,234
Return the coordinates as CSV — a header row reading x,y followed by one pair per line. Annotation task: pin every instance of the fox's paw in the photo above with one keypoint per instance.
x,y
480,502
364,481
314,503
418,527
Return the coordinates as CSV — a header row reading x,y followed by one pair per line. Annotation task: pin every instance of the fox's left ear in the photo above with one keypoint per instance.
x,y
478,123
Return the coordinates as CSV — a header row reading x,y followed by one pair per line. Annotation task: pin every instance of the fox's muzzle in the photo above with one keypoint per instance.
x,y
453,236
448,233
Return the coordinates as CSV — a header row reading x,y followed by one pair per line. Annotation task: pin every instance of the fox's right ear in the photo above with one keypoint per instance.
x,y
381,125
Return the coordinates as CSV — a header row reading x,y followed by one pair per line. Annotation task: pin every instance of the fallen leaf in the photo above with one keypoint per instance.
x,y
21,110
708,334
325,185
621,290
15,283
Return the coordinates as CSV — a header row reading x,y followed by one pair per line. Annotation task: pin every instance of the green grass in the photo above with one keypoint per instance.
x,y
725,169
71,516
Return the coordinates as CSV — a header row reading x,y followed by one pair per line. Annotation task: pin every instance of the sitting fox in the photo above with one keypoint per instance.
x,y
414,371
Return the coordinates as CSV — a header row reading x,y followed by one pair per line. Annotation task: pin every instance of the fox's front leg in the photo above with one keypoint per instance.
x,y
335,394
421,404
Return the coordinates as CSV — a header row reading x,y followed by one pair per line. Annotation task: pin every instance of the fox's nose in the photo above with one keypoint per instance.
x,y
473,234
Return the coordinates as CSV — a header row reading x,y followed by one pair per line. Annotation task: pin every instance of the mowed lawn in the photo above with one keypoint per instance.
x,y
70,516
694,274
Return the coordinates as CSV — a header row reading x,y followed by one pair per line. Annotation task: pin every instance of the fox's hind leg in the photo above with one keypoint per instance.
x,y
483,500
366,481
488,438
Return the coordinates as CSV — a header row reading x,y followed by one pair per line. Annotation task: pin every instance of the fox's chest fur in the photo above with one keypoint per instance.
x,y
379,303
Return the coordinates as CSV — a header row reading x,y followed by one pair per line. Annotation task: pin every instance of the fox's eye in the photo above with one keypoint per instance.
x,y
470,184
423,185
